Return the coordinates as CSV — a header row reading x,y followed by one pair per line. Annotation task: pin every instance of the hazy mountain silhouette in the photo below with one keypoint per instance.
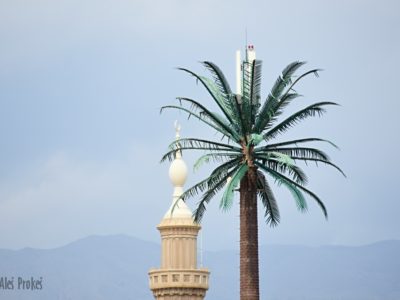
x,y
115,267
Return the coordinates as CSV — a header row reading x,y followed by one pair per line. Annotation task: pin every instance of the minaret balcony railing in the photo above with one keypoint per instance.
x,y
181,278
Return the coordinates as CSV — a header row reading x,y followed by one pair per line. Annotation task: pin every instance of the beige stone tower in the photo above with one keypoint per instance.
x,y
178,278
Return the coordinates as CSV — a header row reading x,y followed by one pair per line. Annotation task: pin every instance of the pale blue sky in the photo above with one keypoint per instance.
x,y
81,84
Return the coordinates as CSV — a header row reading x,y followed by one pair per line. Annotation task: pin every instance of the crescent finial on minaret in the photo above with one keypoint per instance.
x,y
177,137
177,129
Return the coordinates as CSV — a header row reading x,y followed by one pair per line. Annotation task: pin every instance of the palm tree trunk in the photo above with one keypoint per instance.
x,y
249,277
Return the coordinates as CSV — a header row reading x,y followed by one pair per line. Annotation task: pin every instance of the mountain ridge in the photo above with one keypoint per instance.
x,y
116,266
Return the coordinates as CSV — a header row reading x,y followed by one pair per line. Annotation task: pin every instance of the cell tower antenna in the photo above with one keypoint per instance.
x,y
245,46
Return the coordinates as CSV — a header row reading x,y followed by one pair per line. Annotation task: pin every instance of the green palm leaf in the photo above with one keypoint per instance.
x,y
225,90
321,161
274,105
213,179
291,182
219,77
215,157
255,89
206,144
226,201
213,117
213,90
276,92
303,152
283,180
170,155
299,141
289,95
309,111
291,68
245,99
292,170
268,199
203,118
209,194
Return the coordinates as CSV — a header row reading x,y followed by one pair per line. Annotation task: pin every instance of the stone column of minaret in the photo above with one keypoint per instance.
x,y
178,278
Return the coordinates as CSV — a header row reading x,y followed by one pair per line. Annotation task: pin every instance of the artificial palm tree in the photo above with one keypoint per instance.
x,y
249,156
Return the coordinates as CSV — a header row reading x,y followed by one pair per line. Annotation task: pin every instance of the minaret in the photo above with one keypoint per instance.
x,y
178,278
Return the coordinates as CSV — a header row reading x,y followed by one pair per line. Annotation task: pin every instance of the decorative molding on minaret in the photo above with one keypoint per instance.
x,y
178,278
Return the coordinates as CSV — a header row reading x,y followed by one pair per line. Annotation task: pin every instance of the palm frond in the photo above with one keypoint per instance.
x,y
202,118
241,120
245,103
255,89
233,129
289,91
219,77
206,144
276,92
291,68
309,111
296,172
227,198
225,89
291,182
283,180
269,112
170,155
321,161
215,93
268,199
215,157
209,194
208,183
279,87
299,141
274,105
285,79
303,152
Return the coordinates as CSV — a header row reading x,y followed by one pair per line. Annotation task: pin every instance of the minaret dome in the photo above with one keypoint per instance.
x,y
178,172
